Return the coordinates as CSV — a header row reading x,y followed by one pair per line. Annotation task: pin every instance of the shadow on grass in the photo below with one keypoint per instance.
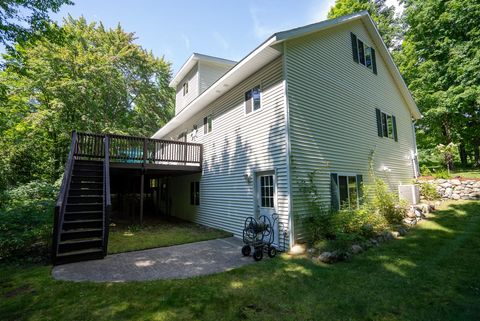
x,y
431,274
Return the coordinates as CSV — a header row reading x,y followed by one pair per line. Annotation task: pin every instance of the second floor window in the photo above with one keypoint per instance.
x,y
386,125
363,54
252,100
185,88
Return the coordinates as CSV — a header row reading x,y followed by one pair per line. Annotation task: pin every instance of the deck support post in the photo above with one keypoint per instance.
x,y
142,181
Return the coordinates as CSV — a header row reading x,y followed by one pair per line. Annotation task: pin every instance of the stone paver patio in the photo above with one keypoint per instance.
x,y
173,262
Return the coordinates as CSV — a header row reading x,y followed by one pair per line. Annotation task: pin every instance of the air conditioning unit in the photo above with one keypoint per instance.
x,y
410,193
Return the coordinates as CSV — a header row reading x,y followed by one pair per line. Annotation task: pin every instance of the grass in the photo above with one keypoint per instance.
x,y
157,233
431,274
466,173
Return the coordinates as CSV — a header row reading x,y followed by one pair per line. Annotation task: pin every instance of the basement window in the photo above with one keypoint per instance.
x,y
346,191
195,193
252,100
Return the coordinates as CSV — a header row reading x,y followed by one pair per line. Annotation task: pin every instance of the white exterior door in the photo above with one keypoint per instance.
x,y
266,199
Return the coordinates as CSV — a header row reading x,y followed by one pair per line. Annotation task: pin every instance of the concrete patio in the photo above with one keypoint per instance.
x,y
174,262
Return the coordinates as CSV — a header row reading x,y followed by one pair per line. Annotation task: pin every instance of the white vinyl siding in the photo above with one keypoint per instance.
x,y
332,101
182,98
235,149
209,73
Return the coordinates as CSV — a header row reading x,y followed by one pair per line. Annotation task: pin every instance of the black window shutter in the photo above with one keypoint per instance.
x,y
205,129
379,122
354,47
360,188
394,123
334,191
374,62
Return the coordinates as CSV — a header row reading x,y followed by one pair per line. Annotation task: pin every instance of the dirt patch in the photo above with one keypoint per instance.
x,y
24,289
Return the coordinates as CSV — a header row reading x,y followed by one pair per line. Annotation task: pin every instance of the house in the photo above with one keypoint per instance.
x,y
324,98
324,101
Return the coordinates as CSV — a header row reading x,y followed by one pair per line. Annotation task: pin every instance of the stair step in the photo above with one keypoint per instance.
x,y
85,192
74,199
87,179
87,173
80,233
81,240
86,185
82,223
84,215
80,255
88,162
83,207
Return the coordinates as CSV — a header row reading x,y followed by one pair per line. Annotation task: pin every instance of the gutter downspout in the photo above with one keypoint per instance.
x,y
416,171
291,239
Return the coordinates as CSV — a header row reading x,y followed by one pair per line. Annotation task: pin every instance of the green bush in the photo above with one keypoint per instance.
x,y
441,173
26,217
425,171
385,203
318,224
428,191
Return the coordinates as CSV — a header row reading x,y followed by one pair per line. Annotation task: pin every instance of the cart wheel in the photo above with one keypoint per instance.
x,y
246,250
272,251
258,254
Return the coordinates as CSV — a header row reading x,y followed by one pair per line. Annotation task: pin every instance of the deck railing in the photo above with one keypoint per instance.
x,y
131,149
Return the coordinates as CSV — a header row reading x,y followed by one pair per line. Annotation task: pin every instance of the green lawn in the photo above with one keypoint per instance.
x,y
431,274
158,233
466,173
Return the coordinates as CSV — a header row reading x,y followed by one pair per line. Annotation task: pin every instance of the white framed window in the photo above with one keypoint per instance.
x,y
185,88
387,125
346,190
363,54
267,191
207,124
253,99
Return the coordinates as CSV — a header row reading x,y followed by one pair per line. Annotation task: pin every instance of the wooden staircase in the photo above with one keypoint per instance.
x,y
82,211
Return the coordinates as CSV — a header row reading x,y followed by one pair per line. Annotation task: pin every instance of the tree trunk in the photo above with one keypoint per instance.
x,y
463,155
476,154
448,137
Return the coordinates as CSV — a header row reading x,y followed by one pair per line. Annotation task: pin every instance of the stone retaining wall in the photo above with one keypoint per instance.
x,y
455,189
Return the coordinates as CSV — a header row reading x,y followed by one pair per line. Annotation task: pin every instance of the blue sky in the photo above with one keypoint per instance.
x,y
228,29
174,29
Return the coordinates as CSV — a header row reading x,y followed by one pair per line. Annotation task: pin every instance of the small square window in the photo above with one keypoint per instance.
x,y
185,88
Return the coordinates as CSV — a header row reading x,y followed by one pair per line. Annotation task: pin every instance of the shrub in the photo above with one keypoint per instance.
x,y
442,173
385,203
425,171
428,191
318,223
26,219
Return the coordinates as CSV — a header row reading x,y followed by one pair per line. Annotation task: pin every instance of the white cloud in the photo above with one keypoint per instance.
x,y
186,41
260,31
319,10
221,40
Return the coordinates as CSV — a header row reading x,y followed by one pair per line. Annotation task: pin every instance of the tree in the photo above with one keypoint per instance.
x,y
20,19
89,79
440,60
383,15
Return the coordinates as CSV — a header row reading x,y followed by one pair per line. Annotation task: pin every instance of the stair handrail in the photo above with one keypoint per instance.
x,y
107,200
62,196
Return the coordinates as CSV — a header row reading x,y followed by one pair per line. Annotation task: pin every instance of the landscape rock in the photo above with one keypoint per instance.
x,y
456,182
456,196
327,257
402,231
355,249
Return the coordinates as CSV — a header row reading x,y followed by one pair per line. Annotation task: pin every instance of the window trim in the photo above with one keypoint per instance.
x,y
346,174
185,88
195,193
253,104
205,124
373,56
